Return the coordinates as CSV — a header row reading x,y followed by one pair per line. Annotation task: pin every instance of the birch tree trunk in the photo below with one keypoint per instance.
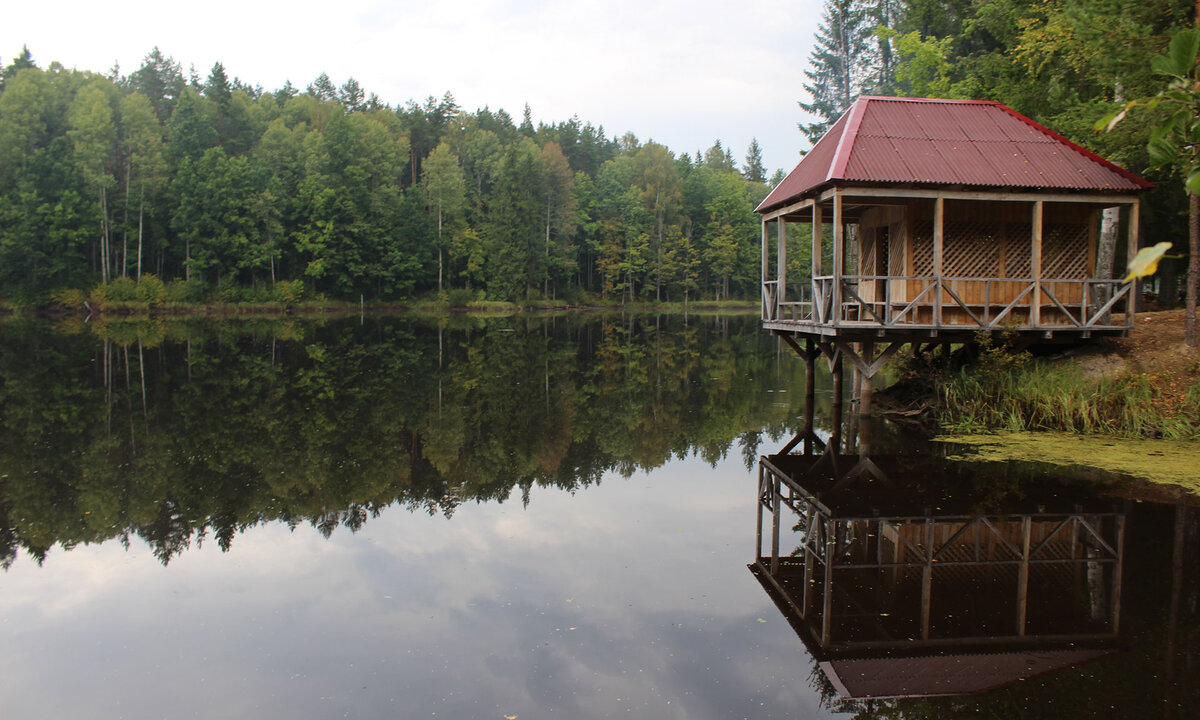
x,y
1107,250
1191,334
141,217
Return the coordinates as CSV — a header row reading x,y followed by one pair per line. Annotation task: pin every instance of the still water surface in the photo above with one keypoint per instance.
x,y
532,517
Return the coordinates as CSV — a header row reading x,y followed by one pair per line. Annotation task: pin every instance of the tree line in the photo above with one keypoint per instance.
x,y
214,183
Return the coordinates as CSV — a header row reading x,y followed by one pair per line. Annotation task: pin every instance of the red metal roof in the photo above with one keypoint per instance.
x,y
932,142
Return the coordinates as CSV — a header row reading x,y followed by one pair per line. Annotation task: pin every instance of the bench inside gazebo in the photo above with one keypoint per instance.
x,y
946,218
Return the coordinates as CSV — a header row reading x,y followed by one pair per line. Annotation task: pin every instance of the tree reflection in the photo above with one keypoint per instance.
x,y
178,432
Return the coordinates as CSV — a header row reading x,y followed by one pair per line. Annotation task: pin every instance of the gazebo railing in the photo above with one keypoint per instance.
x,y
957,302
799,309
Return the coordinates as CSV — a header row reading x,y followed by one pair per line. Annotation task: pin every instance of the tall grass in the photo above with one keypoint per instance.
x,y
1020,393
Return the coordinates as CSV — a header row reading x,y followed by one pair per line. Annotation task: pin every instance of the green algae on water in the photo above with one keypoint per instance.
x,y
1173,462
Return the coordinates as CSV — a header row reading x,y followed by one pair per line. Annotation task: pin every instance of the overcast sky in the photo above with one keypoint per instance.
x,y
681,73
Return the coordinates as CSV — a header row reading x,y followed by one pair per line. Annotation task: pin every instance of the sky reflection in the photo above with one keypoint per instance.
x,y
630,598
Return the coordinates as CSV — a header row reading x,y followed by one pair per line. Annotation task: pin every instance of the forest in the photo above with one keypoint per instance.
x,y
165,186
212,184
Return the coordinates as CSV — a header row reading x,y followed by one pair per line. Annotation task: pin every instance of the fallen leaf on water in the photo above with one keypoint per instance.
x,y
761,620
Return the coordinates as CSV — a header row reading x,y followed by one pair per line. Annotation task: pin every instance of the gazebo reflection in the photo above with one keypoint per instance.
x,y
904,582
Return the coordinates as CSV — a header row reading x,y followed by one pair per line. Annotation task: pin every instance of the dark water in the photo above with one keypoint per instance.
x,y
546,517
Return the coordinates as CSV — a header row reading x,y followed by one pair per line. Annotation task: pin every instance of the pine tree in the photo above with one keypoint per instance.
x,y
839,63
754,170
20,62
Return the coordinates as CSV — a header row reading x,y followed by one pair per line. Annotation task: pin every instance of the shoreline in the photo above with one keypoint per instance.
x,y
341,308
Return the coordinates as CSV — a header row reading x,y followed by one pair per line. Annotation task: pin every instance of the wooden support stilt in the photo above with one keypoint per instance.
x,y
864,391
835,440
776,490
810,386
758,507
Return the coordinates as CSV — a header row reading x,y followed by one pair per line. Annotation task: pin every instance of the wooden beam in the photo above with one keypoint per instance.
x,y
827,595
839,257
776,491
788,209
939,236
1023,576
766,238
781,259
882,192
1035,264
817,223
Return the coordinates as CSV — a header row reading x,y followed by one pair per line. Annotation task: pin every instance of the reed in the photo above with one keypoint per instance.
x,y
1021,393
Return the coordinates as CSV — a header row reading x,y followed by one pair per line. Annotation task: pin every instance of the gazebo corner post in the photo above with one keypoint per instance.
x,y
781,263
839,255
817,223
767,313
939,232
1035,263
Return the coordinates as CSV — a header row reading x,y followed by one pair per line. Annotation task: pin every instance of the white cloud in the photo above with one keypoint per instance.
x,y
684,73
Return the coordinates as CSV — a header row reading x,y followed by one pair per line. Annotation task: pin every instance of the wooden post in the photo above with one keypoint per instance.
x,y
926,580
810,385
939,236
776,489
817,223
781,260
835,438
864,404
758,506
1035,264
1131,249
1118,572
839,255
827,597
766,234
1023,573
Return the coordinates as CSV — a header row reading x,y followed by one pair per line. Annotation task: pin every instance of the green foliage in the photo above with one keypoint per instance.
x,y
113,294
227,188
459,297
150,290
185,292
69,298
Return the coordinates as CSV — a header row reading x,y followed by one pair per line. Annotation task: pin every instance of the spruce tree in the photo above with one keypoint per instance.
x,y
838,68
754,171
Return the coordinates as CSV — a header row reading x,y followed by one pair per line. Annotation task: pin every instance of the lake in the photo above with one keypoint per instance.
x,y
545,516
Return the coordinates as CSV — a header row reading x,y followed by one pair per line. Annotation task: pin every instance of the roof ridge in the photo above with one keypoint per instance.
x,y
947,101
841,155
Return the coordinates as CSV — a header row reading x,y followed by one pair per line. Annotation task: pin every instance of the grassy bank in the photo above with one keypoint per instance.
x,y
1127,389
150,296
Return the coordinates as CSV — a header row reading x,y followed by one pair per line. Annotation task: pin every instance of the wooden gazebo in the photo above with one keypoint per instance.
x,y
948,218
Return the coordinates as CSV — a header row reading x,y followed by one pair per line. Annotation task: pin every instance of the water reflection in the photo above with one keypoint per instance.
x,y
177,432
909,577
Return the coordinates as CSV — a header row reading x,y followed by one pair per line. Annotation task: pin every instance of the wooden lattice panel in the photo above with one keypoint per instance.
x,y
1018,249
1064,251
896,254
971,249
922,261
